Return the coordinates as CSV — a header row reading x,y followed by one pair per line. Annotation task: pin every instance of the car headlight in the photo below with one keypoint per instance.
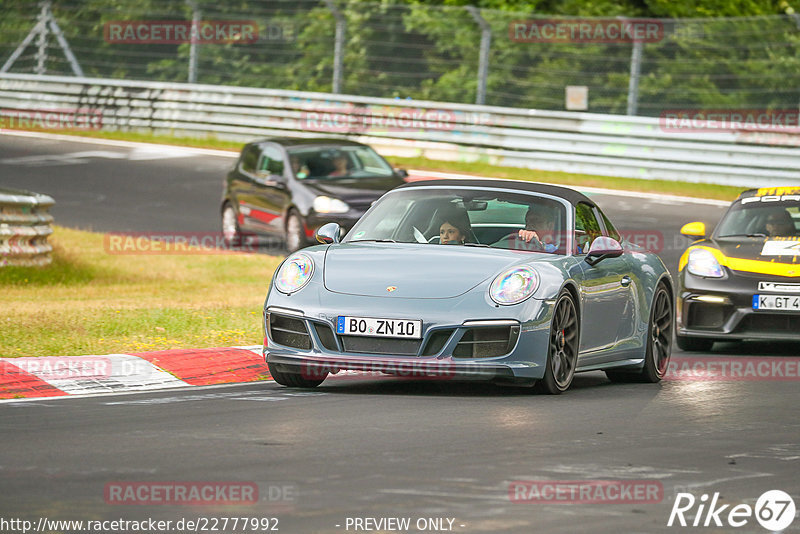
x,y
514,285
323,204
294,274
703,263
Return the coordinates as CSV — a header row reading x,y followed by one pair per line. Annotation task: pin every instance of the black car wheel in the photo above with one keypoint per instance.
x,y
562,354
659,342
294,378
230,226
693,344
295,232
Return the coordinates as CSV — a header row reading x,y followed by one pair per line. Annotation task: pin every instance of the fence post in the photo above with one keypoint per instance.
x,y
338,47
633,82
193,45
483,58
41,42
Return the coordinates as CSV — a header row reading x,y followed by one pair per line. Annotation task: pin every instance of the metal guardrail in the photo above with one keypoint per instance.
x,y
24,226
605,145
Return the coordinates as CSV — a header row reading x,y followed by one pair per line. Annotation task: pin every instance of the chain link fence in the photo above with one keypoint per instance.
x,y
451,54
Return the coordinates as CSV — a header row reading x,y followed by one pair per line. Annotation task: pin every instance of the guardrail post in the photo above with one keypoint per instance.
x,y
193,45
483,58
338,47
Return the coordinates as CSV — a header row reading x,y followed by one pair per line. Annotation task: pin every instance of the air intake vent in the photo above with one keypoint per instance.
x,y
487,342
289,331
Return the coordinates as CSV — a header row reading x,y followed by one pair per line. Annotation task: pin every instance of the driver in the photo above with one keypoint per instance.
x,y
339,165
539,229
780,223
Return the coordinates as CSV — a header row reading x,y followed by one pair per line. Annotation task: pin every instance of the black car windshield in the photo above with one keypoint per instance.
x,y
478,218
336,162
761,217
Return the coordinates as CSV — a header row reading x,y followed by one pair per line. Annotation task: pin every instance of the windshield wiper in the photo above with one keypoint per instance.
x,y
372,241
476,245
759,234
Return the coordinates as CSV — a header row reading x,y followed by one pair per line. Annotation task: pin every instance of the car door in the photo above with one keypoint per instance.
x,y
242,184
272,195
605,292
263,199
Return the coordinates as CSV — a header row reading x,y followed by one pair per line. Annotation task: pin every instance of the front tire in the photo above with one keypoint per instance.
x,y
294,377
562,353
231,232
295,233
659,342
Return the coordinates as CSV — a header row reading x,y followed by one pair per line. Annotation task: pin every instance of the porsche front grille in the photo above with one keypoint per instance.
x,y
289,331
487,342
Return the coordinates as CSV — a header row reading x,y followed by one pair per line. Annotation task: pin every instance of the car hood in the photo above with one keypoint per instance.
x,y
414,270
780,250
355,191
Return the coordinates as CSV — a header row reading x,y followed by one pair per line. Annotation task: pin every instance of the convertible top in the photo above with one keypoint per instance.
x,y
566,193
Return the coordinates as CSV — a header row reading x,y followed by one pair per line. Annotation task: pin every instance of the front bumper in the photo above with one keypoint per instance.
x,y
723,308
453,345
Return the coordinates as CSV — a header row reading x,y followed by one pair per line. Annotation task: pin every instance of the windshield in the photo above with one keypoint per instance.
x,y
759,218
332,162
466,218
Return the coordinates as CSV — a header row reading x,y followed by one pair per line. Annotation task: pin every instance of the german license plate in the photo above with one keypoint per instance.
x,y
776,302
370,326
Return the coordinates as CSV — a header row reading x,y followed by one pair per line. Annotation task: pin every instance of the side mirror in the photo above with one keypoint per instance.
x,y
402,173
328,234
602,248
695,230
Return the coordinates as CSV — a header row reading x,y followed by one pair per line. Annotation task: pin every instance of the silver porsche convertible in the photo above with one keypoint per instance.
x,y
513,282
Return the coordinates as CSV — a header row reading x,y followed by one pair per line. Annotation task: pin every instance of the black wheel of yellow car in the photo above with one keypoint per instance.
x,y
292,376
693,344
659,342
562,354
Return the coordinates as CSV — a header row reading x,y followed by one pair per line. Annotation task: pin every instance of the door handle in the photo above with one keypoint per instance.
x,y
626,281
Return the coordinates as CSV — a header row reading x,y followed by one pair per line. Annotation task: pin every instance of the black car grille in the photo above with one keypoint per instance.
x,y
436,341
479,342
705,315
289,331
487,342
326,336
381,345
770,324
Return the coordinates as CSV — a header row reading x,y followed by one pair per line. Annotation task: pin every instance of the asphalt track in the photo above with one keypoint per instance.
x,y
370,447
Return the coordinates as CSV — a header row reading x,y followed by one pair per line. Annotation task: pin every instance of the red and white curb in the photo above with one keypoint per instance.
x,y
56,376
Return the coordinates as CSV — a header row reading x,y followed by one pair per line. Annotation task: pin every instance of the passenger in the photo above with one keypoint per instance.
x,y
454,228
298,167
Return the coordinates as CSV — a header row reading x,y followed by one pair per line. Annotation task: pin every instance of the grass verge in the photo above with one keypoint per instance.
x,y
687,189
89,301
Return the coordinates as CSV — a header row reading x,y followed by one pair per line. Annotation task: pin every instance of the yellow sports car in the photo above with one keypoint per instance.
x,y
743,280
